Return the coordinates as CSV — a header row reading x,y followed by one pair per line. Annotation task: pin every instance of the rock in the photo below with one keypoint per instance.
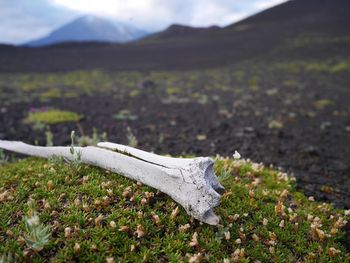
x,y
147,84
309,149
337,165
249,129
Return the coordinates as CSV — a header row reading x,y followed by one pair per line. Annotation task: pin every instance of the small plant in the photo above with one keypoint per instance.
x,y
49,137
3,157
76,155
56,160
38,126
125,115
132,140
322,104
92,141
37,234
7,258
224,175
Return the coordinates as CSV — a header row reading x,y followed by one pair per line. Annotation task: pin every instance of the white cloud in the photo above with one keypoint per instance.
x,y
264,4
157,14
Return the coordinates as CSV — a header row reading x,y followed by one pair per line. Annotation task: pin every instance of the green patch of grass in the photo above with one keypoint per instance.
x,y
52,116
321,104
52,93
327,66
125,115
94,215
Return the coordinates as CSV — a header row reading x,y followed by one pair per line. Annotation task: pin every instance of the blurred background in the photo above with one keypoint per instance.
x,y
269,78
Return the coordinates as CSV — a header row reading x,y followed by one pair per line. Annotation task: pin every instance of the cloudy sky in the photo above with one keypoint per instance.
x,y
24,20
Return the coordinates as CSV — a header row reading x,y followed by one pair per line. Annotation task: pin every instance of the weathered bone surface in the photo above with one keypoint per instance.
x,y
190,182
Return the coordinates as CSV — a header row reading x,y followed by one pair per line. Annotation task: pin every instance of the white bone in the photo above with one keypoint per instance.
x,y
190,182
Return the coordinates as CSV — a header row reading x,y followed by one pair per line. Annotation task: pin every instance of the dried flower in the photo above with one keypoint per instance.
x,y
156,219
235,217
265,222
281,224
279,208
255,237
127,192
238,241
98,220
144,201
93,247
185,227
196,258
110,192
49,185
112,224
332,252
76,248
175,212
77,201
227,235
9,233
67,232
139,231
46,204
194,241
272,236
124,229
311,198
110,260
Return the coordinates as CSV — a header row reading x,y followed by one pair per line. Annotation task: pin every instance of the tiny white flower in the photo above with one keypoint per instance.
x,y
236,155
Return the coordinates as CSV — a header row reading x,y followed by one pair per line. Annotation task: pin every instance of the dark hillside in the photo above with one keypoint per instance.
x,y
295,29
175,30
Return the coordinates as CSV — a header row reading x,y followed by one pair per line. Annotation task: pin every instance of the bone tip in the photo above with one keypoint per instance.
x,y
211,218
219,189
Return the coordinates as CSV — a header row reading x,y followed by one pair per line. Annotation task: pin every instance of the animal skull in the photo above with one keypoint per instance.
x,y
190,182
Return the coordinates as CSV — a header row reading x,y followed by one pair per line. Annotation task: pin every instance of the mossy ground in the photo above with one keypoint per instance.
x,y
52,116
80,204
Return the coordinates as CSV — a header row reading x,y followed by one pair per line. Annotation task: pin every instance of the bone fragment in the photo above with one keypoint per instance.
x,y
191,182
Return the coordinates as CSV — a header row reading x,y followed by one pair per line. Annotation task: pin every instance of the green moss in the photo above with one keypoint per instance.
x,y
321,104
125,115
51,93
88,201
52,116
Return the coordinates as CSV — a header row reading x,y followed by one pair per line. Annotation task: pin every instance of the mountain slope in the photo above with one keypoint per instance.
x,y
90,28
176,30
295,29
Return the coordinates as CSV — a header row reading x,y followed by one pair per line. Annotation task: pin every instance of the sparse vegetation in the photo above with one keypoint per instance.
x,y
132,140
3,157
